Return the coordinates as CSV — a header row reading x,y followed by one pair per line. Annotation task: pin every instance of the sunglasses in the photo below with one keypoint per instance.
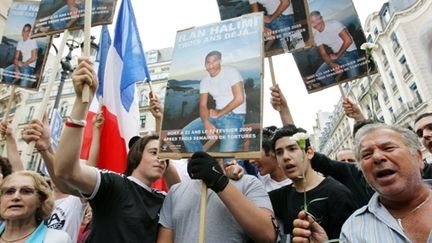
x,y
419,131
23,191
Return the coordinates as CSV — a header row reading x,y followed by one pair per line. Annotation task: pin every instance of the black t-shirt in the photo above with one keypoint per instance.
x,y
330,202
124,211
348,174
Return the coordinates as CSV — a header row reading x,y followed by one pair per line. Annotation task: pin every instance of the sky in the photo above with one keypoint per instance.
x,y
159,20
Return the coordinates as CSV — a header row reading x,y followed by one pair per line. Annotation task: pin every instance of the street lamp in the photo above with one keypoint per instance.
x,y
67,68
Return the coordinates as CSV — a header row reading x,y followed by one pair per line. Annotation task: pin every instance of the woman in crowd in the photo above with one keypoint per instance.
x,y
25,201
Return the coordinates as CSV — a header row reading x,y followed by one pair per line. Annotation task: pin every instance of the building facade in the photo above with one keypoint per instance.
x,y
401,89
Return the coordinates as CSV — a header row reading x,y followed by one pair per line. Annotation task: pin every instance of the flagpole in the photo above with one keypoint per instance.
x,y
86,51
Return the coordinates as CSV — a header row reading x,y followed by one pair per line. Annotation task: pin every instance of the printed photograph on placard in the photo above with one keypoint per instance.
x,y
337,57
21,58
55,16
285,22
213,97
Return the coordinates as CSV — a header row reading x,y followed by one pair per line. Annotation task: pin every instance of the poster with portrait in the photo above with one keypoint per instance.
x,y
337,57
285,30
214,92
21,58
55,16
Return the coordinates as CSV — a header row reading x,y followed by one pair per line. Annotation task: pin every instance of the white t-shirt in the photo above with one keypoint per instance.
x,y
270,184
220,88
330,36
26,47
67,215
272,5
57,236
181,167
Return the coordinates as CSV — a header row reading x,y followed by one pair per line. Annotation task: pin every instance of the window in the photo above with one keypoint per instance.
x,y
385,60
64,108
143,121
376,31
386,15
395,42
143,101
152,56
413,88
400,100
406,71
30,114
49,109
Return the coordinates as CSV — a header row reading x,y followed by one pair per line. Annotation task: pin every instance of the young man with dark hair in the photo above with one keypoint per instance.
x,y
328,201
270,174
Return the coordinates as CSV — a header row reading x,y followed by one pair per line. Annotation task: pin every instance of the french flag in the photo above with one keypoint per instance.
x,y
121,64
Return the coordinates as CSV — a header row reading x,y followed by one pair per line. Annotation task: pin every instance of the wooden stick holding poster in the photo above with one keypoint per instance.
x,y
341,90
87,40
203,212
49,87
273,79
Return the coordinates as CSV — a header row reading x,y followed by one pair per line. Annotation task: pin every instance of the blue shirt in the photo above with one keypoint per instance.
x,y
373,223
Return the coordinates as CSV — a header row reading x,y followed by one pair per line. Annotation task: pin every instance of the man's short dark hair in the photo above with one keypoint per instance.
x,y
218,54
315,13
287,131
267,135
422,116
5,166
360,124
26,26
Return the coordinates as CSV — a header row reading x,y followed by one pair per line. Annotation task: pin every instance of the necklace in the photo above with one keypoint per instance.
x,y
25,236
413,210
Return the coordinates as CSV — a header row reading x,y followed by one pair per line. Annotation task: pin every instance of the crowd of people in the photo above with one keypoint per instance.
x,y
372,192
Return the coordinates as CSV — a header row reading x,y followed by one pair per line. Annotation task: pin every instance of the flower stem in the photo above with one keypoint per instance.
x,y
305,204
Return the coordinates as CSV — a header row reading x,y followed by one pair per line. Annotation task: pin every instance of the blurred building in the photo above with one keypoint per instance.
x,y
401,90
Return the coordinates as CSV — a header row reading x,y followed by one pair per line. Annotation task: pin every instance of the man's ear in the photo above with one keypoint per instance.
x,y
310,152
420,159
272,154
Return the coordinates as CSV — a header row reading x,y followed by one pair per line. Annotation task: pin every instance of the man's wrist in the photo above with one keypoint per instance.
x,y
220,184
44,149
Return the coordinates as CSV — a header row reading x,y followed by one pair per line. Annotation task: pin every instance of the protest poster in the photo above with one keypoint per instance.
x,y
55,16
288,32
337,56
22,59
216,77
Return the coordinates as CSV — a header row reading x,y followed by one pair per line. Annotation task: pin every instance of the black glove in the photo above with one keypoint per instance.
x,y
203,166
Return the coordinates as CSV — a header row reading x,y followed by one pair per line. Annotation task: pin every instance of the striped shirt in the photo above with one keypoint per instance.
x,y
373,223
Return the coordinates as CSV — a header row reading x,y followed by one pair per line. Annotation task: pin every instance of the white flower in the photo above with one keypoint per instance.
x,y
300,136
368,46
